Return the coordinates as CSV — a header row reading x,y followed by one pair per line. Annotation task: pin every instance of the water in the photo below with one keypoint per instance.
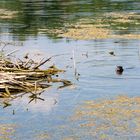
x,y
51,119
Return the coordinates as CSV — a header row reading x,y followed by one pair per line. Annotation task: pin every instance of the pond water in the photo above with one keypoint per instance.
x,y
51,119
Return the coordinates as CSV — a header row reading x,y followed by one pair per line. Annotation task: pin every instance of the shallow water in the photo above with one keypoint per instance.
x,y
51,119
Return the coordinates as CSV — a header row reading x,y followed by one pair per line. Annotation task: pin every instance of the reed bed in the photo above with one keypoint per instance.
x,y
25,76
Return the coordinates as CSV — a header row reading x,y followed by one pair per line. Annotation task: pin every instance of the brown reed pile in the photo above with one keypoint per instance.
x,y
25,76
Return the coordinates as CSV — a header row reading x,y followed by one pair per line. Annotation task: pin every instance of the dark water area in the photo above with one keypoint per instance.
x,y
35,15
51,119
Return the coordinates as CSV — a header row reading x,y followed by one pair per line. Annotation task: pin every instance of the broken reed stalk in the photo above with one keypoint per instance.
x,y
76,74
74,63
42,63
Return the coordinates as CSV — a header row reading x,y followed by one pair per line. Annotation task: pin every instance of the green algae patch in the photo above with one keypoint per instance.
x,y
85,32
43,136
122,17
7,14
127,36
112,25
109,119
100,31
7,131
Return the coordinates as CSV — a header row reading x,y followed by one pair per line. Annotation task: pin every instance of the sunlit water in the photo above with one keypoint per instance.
x,y
93,62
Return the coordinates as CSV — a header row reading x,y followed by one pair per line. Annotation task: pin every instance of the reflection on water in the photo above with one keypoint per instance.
x,y
35,15
98,79
96,66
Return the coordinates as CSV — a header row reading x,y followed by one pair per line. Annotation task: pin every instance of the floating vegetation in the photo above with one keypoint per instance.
x,y
106,26
122,16
19,77
82,31
43,136
112,119
6,14
6,131
127,36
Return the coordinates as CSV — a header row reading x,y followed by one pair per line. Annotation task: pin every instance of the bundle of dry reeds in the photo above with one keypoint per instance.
x,y
25,75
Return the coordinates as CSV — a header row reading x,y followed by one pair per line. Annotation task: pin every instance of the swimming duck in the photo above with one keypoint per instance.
x,y
119,70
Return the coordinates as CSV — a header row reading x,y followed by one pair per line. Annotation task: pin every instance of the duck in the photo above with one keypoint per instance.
x,y
119,70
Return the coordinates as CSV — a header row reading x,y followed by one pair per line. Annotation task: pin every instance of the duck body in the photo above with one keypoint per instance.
x,y
119,69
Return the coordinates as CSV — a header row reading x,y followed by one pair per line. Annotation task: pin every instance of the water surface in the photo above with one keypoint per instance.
x,y
51,119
